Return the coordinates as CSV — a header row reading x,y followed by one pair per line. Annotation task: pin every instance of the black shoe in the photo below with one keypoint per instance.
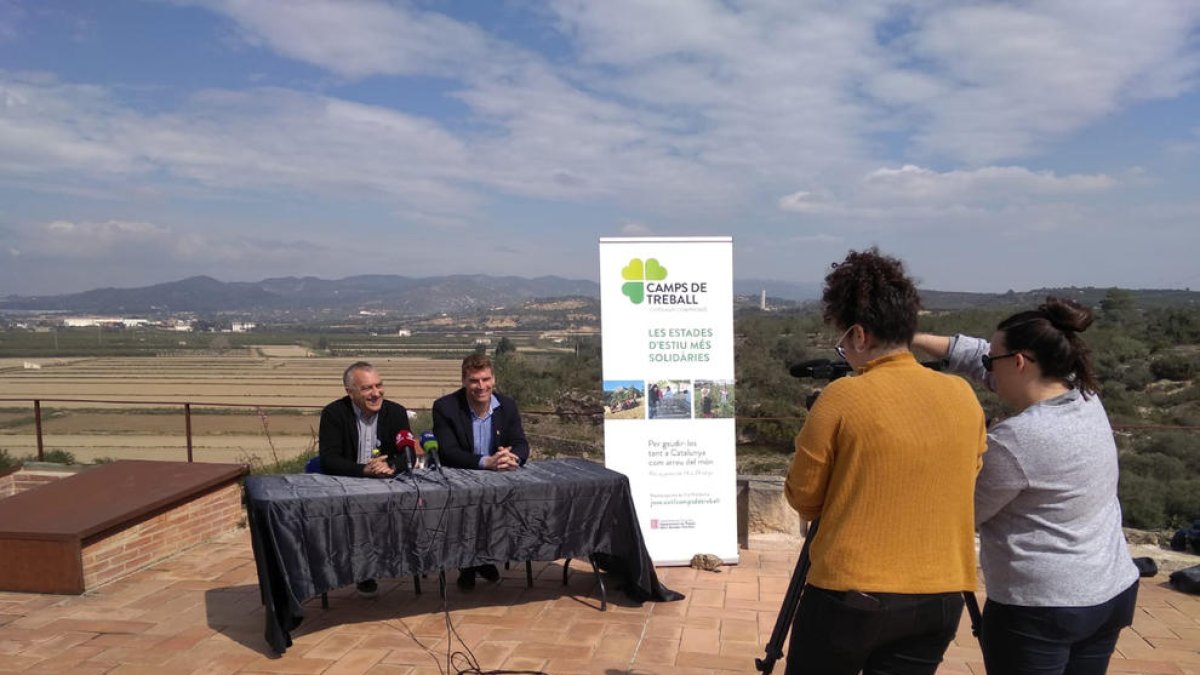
x,y
489,572
368,588
466,579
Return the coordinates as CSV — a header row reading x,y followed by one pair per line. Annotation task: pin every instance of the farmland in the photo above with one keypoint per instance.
x,y
247,404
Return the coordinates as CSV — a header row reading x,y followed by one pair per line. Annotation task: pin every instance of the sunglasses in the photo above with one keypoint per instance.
x,y
989,360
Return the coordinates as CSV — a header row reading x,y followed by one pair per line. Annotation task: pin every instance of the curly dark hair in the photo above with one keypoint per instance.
x,y
871,289
1051,334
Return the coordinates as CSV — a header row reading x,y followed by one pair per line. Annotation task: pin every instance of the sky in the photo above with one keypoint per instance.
x,y
990,145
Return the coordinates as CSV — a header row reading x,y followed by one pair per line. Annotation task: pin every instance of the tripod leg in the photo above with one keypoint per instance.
x,y
787,613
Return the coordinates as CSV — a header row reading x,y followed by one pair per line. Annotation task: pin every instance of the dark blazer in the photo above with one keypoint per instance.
x,y
455,435
338,435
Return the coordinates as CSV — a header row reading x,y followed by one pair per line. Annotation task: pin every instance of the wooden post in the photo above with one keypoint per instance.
x,y
187,417
37,420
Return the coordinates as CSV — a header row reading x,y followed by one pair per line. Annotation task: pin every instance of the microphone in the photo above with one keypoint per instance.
x,y
821,369
429,443
407,444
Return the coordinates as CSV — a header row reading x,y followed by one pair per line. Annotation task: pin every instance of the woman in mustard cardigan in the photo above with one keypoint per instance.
x,y
887,460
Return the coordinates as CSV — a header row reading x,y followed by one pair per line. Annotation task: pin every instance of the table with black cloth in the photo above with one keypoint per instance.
x,y
313,533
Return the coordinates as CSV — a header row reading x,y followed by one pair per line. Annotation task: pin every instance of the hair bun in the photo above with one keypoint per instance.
x,y
1066,315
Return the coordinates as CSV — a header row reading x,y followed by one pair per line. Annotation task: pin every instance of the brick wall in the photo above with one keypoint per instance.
x,y
27,479
163,535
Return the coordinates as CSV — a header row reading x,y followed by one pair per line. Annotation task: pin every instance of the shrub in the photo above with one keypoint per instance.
x,y
1120,403
1136,377
7,461
1181,502
1153,465
1183,446
1175,367
59,457
1142,502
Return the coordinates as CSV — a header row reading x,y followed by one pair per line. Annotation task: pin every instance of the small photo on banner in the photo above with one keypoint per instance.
x,y
624,400
669,400
714,399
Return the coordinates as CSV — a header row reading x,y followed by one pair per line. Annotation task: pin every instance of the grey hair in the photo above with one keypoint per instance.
x,y
348,375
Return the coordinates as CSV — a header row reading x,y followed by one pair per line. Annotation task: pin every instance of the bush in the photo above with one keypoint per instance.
x,y
1176,367
59,457
1183,446
1153,465
1136,377
7,461
1120,403
293,465
1142,502
1181,502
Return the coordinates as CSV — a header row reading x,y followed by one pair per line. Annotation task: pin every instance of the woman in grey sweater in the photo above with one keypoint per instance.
x,y
1060,581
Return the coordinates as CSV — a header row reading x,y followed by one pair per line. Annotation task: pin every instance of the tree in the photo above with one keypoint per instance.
x,y
505,346
1118,308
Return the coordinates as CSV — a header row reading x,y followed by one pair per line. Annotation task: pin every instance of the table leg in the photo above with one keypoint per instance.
x,y
599,582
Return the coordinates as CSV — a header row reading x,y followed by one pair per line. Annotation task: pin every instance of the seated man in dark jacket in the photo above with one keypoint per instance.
x,y
478,428
357,431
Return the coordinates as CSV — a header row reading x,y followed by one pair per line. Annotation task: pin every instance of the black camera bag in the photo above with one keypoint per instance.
x,y
1187,580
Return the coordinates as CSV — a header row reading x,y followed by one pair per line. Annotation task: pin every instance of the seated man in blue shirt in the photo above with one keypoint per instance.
x,y
479,428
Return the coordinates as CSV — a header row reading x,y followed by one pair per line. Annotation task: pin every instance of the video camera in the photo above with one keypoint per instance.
x,y
824,369
821,369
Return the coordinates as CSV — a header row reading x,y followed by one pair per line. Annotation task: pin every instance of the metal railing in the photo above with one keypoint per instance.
x,y
187,415
261,409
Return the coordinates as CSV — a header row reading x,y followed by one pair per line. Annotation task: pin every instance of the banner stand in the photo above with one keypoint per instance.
x,y
669,396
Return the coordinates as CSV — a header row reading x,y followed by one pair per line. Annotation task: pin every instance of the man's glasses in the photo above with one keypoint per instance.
x,y
989,360
841,351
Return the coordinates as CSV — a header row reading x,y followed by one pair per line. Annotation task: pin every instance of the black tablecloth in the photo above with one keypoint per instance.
x,y
313,533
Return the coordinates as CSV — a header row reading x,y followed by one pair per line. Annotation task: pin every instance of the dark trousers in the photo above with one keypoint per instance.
x,y
1054,640
878,634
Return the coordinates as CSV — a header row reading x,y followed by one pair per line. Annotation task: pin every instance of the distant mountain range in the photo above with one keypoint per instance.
x,y
384,293
455,294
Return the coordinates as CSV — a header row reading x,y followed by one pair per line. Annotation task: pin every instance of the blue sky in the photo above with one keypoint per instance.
x,y
991,145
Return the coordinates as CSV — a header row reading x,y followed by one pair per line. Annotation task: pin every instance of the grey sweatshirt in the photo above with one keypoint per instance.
x,y
1046,500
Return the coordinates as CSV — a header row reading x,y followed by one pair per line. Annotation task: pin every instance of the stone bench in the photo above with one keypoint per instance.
x,y
78,532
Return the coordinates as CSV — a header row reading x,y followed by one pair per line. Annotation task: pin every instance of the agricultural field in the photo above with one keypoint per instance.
x,y
247,405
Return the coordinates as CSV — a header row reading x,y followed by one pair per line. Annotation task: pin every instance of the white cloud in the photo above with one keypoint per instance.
x,y
721,108
912,186
989,184
1020,74
686,113
92,240
636,230
357,39
122,242
803,201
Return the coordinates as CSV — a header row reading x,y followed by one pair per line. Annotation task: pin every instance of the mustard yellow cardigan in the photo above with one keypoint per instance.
x,y
887,460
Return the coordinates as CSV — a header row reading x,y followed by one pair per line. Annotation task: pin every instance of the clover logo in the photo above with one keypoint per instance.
x,y
636,273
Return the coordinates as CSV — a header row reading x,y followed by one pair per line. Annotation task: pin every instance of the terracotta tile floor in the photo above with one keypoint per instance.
x,y
199,612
